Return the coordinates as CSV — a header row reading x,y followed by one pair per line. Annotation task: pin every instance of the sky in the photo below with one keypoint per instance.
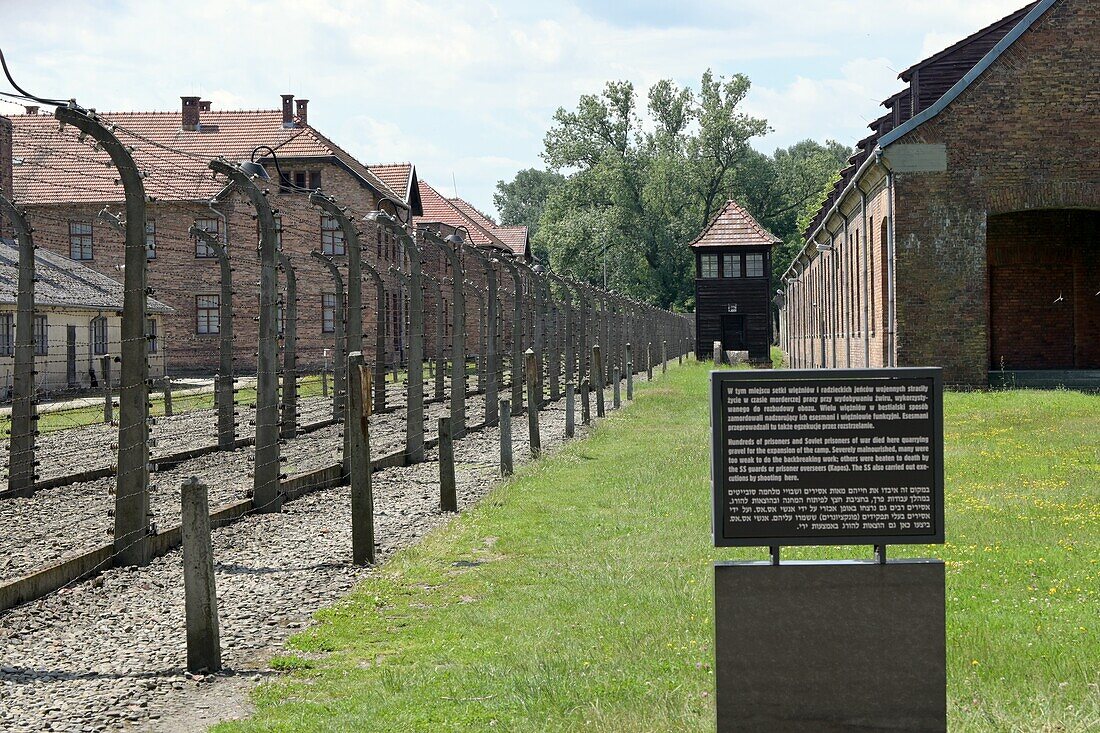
x,y
466,90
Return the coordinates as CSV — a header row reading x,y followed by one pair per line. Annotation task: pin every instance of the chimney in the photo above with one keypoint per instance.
x,y
190,113
204,105
32,109
288,110
302,111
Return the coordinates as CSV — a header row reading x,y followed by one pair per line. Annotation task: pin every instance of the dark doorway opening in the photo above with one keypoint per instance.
x,y
733,333
1044,289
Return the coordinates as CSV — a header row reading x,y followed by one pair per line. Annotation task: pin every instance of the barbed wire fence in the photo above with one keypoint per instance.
x,y
205,358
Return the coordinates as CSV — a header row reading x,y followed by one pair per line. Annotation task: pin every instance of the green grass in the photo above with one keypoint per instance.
x,y
577,596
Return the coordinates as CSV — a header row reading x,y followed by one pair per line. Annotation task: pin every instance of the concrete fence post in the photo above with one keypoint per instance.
x,y
357,461
596,378
131,525
505,438
266,482
289,416
586,411
649,360
448,493
531,370
629,373
108,402
717,353
324,382
438,364
21,446
378,367
339,360
200,596
166,387
664,357
570,418
223,383
617,400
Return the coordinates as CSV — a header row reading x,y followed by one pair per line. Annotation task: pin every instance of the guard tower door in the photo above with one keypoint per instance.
x,y
733,333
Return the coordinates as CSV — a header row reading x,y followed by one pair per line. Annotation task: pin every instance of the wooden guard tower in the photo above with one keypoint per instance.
x,y
733,268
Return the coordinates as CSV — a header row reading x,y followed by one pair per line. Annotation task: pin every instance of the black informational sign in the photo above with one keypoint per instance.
x,y
827,457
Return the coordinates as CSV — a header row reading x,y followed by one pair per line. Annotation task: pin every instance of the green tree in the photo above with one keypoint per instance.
x,y
521,201
638,190
784,190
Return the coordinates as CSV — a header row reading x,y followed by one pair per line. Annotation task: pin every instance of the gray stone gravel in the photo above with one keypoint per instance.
x,y
60,522
109,653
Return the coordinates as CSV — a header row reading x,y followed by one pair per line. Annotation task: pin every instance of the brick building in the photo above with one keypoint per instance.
x,y
444,216
64,183
964,232
77,322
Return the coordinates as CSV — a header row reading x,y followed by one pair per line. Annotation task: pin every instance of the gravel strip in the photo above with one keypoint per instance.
x,y
63,521
110,653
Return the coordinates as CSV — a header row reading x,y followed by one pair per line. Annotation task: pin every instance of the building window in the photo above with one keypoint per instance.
x,y
150,239
99,336
708,266
151,334
211,226
7,335
754,264
41,336
207,314
731,265
80,240
328,312
307,180
332,236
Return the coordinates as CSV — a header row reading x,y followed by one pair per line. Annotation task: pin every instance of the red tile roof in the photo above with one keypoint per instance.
x,y
398,176
56,167
733,226
513,236
440,210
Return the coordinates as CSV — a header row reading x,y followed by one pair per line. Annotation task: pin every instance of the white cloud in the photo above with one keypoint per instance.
x,y
452,85
838,107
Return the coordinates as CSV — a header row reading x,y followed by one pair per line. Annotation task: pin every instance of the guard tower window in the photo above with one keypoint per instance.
x,y
731,265
708,266
754,264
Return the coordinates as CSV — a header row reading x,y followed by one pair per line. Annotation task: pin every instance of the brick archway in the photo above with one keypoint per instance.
x,y
1044,276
